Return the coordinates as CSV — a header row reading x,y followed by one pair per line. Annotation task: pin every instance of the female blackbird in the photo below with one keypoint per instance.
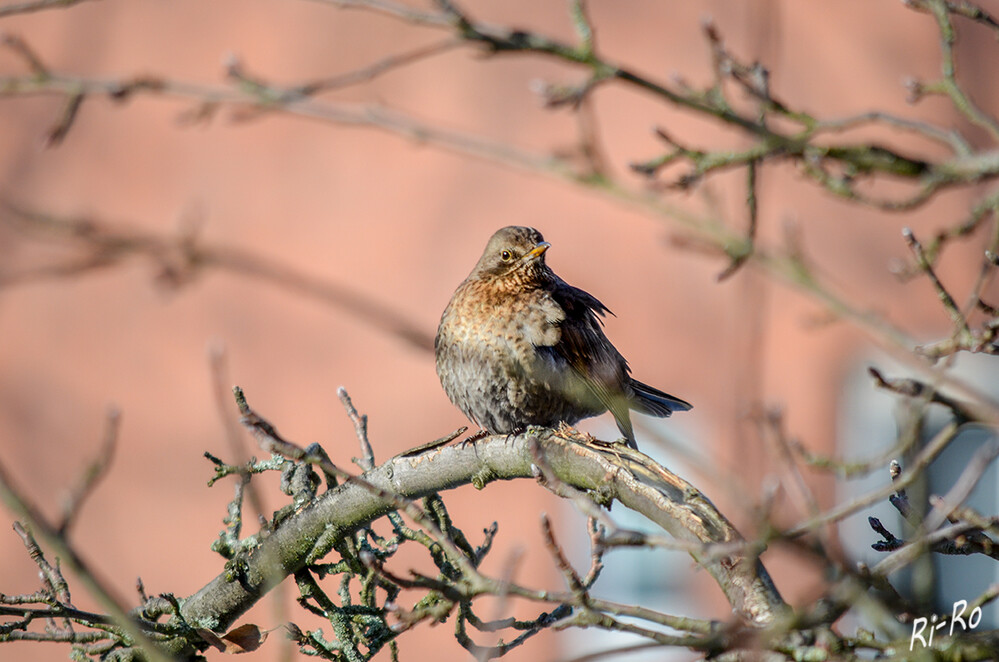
x,y
519,346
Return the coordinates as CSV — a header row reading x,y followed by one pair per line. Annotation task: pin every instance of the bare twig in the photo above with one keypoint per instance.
x,y
372,71
963,8
569,574
25,52
220,391
97,588
948,85
360,421
987,597
913,388
962,488
271,441
35,5
960,323
960,537
182,257
51,575
613,652
742,251
772,423
596,552
981,212
394,9
949,137
529,629
933,448
55,135
92,473
941,540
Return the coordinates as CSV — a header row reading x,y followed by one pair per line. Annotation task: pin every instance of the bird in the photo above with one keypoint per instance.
x,y
517,346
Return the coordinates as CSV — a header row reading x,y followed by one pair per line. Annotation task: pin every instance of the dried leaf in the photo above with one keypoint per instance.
x,y
244,639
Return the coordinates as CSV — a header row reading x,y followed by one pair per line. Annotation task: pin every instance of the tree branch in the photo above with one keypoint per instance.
x,y
35,5
631,478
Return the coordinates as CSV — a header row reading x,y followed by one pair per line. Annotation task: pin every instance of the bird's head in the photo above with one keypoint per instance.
x,y
511,250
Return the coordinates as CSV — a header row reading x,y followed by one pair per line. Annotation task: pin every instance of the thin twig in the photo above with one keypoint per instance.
x,y
933,448
360,421
98,589
35,5
960,537
182,257
948,137
961,490
743,251
25,52
218,364
92,473
772,422
948,85
372,71
569,574
960,323
271,441
913,388
71,107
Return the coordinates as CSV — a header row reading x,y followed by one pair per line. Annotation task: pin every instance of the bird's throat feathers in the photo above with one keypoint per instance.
x,y
522,278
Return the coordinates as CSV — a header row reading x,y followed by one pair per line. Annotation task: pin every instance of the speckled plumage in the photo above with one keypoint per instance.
x,y
519,346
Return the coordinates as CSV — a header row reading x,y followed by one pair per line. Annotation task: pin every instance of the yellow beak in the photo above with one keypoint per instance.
x,y
537,251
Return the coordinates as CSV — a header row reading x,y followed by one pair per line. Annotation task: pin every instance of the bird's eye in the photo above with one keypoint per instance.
x,y
506,255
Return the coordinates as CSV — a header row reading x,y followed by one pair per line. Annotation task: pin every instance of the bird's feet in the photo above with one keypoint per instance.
x,y
481,433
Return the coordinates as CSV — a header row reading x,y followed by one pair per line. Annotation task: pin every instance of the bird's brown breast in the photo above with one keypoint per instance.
x,y
488,356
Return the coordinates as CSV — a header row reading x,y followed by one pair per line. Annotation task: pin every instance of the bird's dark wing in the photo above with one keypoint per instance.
x,y
598,372
599,366
578,303
582,342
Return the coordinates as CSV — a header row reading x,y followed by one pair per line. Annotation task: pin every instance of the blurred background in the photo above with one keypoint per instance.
x,y
400,223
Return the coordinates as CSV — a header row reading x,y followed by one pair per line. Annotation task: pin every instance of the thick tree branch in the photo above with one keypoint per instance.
x,y
626,476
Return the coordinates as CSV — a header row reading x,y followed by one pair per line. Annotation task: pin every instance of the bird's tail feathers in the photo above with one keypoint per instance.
x,y
654,402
